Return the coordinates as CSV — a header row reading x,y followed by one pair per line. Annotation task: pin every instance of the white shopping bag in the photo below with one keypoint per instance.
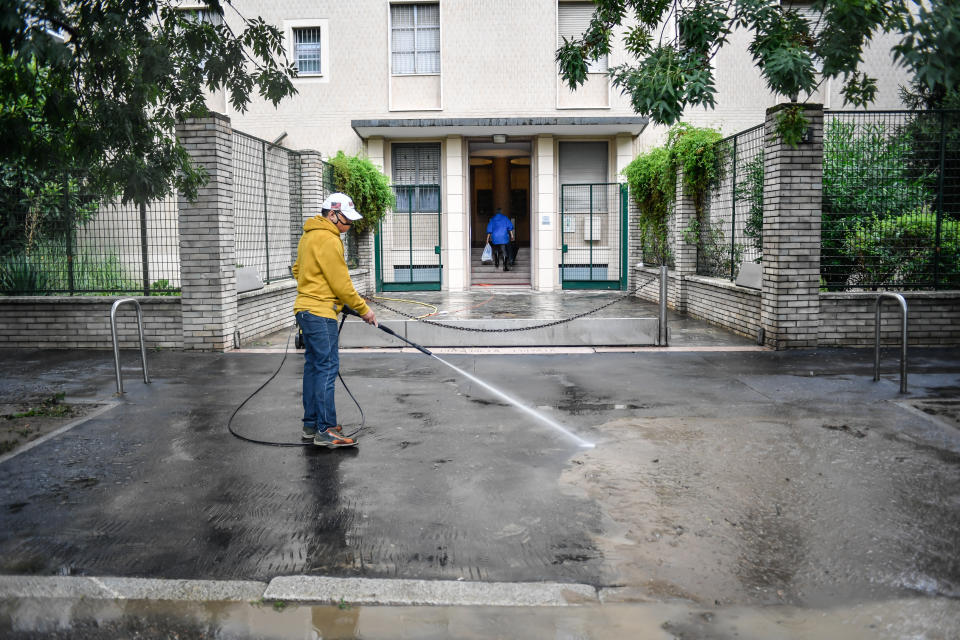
x,y
487,255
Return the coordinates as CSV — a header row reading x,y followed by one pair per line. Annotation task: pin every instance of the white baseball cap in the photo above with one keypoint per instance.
x,y
343,203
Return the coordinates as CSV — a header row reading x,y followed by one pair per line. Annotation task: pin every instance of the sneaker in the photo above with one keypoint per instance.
x,y
332,440
309,434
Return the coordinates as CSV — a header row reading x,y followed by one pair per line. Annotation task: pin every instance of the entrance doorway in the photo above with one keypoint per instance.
x,y
500,180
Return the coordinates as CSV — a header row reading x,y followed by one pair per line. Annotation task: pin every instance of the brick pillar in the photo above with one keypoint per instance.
x,y
207,243
684,253
792,192
376,152
311,182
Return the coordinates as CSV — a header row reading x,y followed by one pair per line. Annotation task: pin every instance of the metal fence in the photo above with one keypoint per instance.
x,y
891,200
409,241
267,205
731,229
76,245
593,243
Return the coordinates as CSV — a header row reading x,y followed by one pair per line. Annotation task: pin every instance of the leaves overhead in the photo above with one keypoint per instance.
x,y
673,42
98,86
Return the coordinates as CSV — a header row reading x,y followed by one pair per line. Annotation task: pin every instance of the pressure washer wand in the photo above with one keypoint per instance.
x,y
350,312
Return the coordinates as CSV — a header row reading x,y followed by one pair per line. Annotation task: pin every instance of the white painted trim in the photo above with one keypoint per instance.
x,y
318,23
390,73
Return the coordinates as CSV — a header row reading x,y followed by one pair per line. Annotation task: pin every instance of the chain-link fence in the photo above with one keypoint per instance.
x,y
891,200
69,242
731,229
267,205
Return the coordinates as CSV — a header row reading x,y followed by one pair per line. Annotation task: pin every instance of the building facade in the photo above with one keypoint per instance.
x,y
461,105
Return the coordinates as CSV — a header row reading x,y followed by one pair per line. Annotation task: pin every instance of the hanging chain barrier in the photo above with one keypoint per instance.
x,y
651,278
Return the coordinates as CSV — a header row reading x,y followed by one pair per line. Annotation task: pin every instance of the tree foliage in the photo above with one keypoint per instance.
x,y
97,87
674,41
652,176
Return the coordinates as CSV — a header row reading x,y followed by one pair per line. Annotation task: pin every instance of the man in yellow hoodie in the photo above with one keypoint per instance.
x,y
323,287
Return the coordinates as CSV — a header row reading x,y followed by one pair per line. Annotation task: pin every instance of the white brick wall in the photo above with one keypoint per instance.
x,y
63,322
848,319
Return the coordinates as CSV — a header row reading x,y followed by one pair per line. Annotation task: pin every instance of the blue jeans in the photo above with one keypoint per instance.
x,y
320,367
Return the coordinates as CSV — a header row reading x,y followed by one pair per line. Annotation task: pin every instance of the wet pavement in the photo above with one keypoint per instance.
x,y
728,484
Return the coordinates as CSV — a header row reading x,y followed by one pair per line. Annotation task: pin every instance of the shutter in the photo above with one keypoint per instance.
x,y
573,18
404,164
814,17
583,162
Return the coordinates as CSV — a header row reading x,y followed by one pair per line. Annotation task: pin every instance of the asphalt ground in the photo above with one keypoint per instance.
x,y
681,500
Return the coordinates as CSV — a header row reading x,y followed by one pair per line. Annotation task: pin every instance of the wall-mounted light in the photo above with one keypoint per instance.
x,y
499,138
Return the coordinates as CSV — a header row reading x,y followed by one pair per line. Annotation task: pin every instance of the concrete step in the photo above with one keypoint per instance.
x,y
488,274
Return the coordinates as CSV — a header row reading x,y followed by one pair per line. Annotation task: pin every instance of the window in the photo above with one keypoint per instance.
x,y
415,38
307,51
814,17
416,176
573,18
308,45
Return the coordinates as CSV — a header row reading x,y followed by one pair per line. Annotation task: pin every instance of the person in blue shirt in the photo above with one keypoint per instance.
x,y
500,235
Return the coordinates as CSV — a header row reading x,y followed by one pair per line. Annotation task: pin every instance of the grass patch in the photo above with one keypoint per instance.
x,y
51,407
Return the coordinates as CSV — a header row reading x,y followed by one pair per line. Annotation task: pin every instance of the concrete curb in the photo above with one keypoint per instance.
x,y
428,592
128,588
303,589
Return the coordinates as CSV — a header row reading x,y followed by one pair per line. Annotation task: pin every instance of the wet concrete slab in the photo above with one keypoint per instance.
x,y
720,479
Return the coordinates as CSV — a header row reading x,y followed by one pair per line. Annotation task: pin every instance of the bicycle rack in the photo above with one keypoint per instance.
x,y
903,339
116,345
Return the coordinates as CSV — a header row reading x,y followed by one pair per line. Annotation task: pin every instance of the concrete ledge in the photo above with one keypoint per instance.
x,y
582,332
129,588
427,592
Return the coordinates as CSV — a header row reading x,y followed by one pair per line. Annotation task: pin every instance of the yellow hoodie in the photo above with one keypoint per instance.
x,y
323,281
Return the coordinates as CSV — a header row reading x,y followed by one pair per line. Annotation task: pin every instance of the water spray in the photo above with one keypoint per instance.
x,y
513,401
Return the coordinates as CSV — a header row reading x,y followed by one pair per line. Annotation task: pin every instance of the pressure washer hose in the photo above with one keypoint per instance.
x,y
347,311
286,350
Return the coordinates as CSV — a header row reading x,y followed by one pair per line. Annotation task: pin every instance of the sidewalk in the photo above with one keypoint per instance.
x,y
721,481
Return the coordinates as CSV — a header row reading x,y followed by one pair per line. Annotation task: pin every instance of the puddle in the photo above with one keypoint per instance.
x,y
41,618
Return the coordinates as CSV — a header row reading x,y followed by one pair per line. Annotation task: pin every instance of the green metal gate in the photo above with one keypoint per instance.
x,y
593,223
408,244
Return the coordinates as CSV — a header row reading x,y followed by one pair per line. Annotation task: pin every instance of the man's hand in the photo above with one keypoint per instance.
x,y
370,318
